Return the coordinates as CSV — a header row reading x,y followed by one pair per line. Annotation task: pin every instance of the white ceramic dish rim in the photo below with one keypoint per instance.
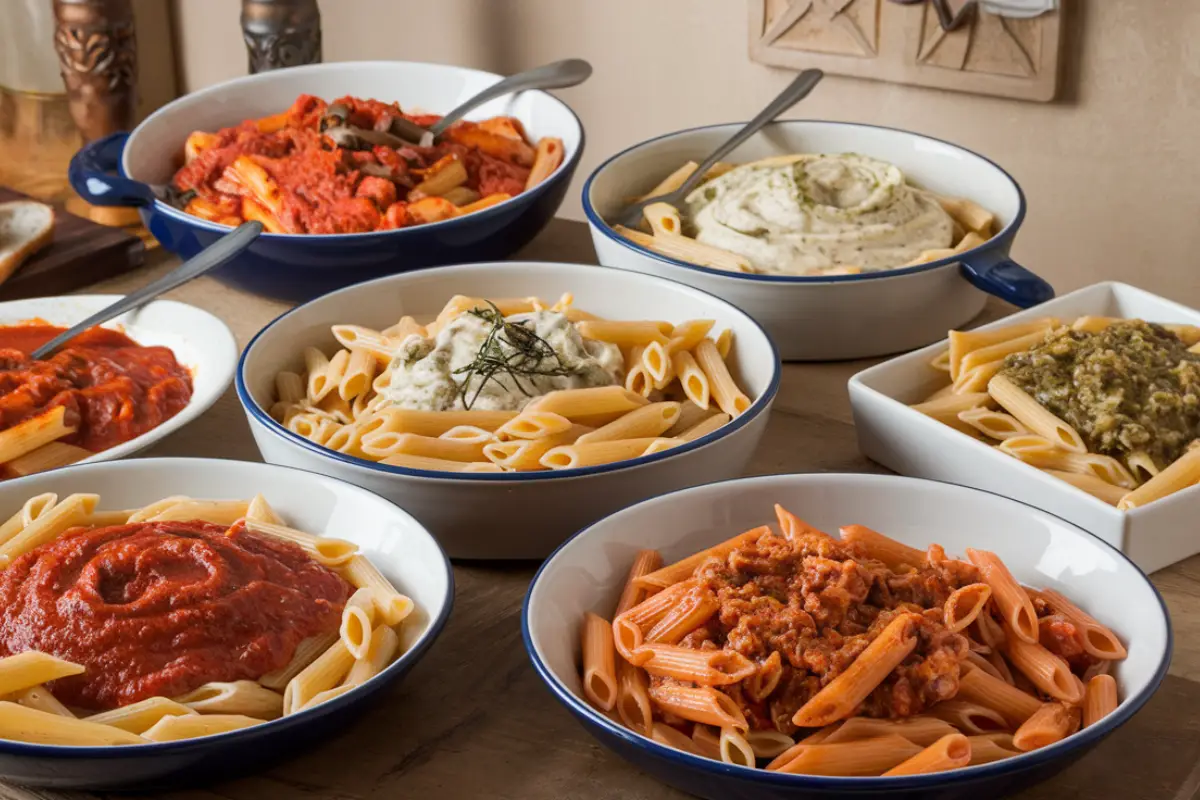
x,y
224,364
414,653
526,196
759,405
599,224
985,451
1030,760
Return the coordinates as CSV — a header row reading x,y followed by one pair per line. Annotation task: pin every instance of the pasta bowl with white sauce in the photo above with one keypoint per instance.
x,y
589,575
891,432
486,510
402,551
883,306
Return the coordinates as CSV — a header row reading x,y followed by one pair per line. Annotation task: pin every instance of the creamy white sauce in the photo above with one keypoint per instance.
x,y
424,373
804,214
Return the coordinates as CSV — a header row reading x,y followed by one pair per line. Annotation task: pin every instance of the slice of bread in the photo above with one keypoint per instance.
x,y
26,226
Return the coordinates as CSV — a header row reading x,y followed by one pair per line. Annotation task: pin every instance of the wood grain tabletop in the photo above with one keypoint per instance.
x,y
472,720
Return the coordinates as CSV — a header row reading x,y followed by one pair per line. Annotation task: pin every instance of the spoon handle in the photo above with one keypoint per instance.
x,y
221,251
558,75
796,91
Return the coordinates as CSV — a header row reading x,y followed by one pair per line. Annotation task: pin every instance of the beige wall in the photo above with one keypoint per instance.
x,y
1111,171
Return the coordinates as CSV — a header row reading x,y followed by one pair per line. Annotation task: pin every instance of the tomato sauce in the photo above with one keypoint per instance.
x,y
161,608
113,389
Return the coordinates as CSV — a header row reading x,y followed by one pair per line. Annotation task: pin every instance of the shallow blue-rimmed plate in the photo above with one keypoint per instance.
x,y
586,574
395,542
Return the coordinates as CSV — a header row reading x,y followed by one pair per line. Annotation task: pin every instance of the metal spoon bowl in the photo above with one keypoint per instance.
x,y
796,91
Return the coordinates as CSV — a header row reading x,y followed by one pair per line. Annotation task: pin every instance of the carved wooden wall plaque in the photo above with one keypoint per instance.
x,y
906,43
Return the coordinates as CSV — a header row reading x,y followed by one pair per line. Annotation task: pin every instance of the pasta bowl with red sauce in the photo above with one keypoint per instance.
x,y
890,667
339,211
236,600
113,390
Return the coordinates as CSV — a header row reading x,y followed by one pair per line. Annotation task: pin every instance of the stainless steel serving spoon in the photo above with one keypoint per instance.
x,y
559,75
219,252
796,91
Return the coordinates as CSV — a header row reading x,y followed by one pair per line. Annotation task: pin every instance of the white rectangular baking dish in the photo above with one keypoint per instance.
x,y
892,434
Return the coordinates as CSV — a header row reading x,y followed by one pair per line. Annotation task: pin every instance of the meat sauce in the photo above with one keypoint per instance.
x,y
161,608
113,389
817,603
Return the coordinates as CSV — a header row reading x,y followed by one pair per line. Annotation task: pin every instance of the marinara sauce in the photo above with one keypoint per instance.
x,y
114,389
161,608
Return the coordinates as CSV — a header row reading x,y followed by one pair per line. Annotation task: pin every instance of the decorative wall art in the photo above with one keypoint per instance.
x,y
1008,48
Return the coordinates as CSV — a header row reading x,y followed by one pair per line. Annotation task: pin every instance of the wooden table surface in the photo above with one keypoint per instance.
x,y
472,720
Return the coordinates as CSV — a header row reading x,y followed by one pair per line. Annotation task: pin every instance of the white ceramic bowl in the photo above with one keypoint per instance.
x,y
838,317
517,514
200,341
911,443
586,574
394,541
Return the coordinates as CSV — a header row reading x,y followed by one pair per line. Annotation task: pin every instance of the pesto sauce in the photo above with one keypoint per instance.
x,y
1131,387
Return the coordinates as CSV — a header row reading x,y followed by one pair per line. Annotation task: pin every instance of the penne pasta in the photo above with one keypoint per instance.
x,y
247,698
599,663
324,550
385,644
1183,473
964,604
703,667
625,333
358,618
29,435
648,421
952,751
702,704
1032,415
976,686
1008,595
991,747
1099,700
1098,640
735,749
1052,722
867,757
724,391
391,606
171,728
21,724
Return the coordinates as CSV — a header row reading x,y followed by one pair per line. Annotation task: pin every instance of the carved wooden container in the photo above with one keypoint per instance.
x,y
281,33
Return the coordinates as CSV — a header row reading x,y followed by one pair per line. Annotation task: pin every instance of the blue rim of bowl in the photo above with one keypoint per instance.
x,y
598,223
759,405
1024,762
564,169
402,664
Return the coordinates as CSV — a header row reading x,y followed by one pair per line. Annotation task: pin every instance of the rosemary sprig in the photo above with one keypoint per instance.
x,y
510,348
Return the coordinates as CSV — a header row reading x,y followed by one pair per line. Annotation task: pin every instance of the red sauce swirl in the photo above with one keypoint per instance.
x,y
113,389
160,608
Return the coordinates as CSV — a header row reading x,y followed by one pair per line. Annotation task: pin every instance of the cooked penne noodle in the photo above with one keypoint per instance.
x,y
169,728
218,512
946,409
662,218
247,698
630,626
672,574
469,433
964,604
324,550
949,752
48,526
31,510
21,724
990,747
51,455
571,456
724,342
547,156
1052,722
1141,465
993,424
767,743
1105,468
970,718
837,699
577,403
306,652
707,741
648,421
1183,473
32,668
325,696
1099,700
1098,640
39,698
360,371
1016,706
638,378
968,213
358,619
997,352
1017,402
724,391
33,433
867,757
534,424
921,731
526,454
704,427
439,464
434,423
976,379
895,555
704,667
1096,487
386,444
964,342
702,704
735,749
259,510
323,673
385,643
1049,673
599,663
1090,324
689,250
666,735
316,366
695,383
625,333
391,605
1015,607
672,181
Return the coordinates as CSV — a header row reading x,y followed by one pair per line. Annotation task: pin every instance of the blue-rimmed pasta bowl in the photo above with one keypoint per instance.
x,y
391,539
587,574
511,514
816,318
124,170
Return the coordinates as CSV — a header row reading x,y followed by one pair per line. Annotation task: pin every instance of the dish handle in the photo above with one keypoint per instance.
x,y
995,273
93,174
